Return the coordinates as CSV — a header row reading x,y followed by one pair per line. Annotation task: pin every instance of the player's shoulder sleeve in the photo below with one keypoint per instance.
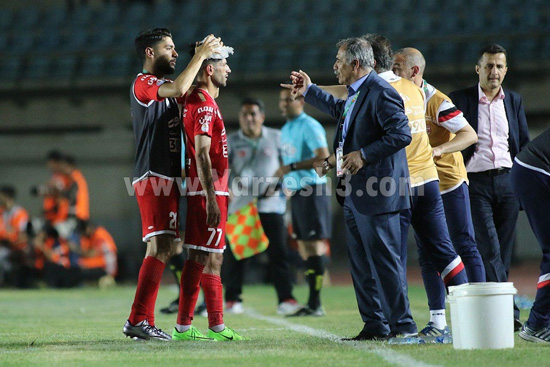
x,y
316,136
205,114
448,115
146,88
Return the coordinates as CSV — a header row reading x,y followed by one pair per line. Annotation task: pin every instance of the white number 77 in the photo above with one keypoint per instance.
x,y
214,230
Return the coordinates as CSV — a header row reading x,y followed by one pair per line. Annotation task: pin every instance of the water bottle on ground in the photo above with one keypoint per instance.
x,y
408,340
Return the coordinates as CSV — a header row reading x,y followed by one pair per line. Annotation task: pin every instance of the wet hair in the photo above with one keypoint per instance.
x,y
9,191
381,47
493,48
254,101
191,49
150,38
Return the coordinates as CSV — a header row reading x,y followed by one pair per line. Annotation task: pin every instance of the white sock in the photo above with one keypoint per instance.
x,y
182,328
437,317
217,328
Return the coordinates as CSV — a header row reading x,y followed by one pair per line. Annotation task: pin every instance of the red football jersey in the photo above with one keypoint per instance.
x,y
201,116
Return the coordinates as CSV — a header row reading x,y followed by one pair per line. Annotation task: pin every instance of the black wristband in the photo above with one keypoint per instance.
x,y
293,166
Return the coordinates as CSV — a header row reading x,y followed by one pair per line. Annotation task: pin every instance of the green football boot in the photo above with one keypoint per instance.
x,y
192,334
226,335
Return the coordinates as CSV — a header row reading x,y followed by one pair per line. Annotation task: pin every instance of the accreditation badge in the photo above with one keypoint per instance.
x,y
339,161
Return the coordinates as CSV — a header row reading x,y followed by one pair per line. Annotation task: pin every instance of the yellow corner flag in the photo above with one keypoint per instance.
x,y
245,232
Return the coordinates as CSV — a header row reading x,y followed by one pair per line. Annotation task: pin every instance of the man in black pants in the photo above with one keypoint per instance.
x,y
254,156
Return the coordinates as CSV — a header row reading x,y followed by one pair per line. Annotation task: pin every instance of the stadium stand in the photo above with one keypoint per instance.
x,y
57,32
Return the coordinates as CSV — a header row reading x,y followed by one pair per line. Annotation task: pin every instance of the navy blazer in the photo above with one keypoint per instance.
x,y
379,127
467,100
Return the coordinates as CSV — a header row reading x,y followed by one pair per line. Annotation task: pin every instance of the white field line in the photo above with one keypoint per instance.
x,y
391,356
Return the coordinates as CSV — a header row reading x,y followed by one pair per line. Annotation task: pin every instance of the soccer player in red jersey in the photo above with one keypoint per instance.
x,y
207,174
157,131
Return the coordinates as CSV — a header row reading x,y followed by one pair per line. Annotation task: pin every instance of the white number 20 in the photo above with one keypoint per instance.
x,y
214,230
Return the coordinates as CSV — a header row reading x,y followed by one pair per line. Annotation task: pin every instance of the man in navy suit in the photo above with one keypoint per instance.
x,y
373,187
498,117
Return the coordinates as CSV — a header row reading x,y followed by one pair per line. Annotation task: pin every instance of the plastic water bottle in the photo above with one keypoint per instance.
x,y
409,340
523,302
441,339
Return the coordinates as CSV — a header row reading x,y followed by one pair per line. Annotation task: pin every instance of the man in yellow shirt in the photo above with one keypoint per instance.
x,y
426,215
449,133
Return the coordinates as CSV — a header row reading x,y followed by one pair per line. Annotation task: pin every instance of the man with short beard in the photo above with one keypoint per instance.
x,y
206,172
156,122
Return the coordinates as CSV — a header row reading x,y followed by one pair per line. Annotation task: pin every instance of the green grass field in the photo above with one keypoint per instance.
x,y
82,327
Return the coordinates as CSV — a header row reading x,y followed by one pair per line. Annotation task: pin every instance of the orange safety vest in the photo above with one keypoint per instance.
x,y
13,223
104,251
82,205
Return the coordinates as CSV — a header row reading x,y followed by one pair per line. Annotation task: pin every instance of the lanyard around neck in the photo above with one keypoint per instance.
x,y
341,129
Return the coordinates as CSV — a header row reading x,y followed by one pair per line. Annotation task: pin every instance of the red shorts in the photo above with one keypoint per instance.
x,y
158,201
198,235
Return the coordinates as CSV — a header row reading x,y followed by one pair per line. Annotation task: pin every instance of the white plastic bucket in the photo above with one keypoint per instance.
x,y
482,315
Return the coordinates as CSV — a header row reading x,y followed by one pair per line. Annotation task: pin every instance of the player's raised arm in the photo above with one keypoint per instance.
x,y
183,82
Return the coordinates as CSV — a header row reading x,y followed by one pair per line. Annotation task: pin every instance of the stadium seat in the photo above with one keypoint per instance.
x,y
119,65
308,59
101,39
38,68
525,49
48,41
11,67
442,53
53,17
135,12
27,18
80,17
321,7
237,32
92,66
6,16
74,41
107,15
3,40
21,42
64,67
216,9
256,60
243,10
281,60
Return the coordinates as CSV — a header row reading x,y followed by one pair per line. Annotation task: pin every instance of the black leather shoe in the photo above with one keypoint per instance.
x,y
365,335
517,325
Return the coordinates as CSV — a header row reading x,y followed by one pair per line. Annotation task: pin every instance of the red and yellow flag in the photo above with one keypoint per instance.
x,y
245,232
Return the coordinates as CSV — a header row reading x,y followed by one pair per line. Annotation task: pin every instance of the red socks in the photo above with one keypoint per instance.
x,y
189,291
213,295
147,289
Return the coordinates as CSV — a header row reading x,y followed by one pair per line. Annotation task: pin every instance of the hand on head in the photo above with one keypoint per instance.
x,y
208,47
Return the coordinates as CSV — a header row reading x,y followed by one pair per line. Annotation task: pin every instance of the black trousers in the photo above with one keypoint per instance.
x,y
278,267
495,211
